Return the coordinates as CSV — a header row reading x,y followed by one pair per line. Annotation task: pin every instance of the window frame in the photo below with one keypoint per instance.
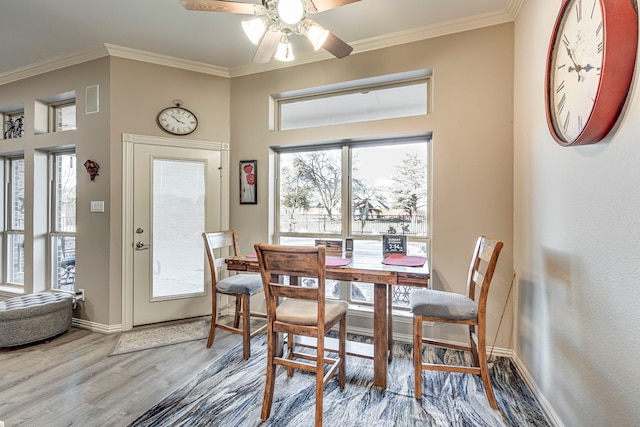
x,y
346,216
55,109
53,232
11,116
313,95
10,231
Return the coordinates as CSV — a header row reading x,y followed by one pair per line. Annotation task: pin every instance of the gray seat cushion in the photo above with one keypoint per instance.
x,y
34,305
243,284
305,312
448,305
31,318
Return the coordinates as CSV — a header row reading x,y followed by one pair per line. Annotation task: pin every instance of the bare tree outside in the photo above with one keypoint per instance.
x,y
323,173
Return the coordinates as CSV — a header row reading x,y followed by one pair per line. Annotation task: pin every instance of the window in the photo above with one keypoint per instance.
x,y
377,98
55,113
13,125
62,237
359,190
63,116
14,241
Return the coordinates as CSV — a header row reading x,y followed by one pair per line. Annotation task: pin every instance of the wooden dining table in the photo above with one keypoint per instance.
x,y
366,269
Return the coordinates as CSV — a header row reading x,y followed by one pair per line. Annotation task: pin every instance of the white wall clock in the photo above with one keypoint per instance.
x,y
590,66
177,120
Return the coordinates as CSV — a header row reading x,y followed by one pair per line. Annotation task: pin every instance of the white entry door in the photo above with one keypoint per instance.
x,y
176,195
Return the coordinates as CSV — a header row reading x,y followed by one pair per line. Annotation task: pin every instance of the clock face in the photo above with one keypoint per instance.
x,y
177,121
575,69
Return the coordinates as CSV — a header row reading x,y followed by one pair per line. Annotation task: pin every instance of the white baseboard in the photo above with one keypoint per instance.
x,y
96,327
551,415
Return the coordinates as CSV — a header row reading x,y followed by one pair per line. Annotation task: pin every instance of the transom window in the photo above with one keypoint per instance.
x,y
13,125
375,98
63,116
358,190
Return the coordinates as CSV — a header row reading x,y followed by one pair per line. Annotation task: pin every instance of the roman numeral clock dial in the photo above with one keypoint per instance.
x,y
589,68
177,120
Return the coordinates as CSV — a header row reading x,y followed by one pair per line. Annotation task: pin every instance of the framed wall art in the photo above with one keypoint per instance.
x,y
248,182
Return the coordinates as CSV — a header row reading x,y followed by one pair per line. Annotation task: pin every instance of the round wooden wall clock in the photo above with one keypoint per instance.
x,y
590,66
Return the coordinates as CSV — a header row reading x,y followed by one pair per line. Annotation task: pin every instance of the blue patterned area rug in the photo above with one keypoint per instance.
x,y
229,393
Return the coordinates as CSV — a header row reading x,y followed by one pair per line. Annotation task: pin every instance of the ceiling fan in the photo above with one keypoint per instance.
x,y
276,21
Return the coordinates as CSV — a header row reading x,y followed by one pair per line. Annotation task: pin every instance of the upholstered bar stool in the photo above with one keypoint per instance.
x,y
429,305
240,286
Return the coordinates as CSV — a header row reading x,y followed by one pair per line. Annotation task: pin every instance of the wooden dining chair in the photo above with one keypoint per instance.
x,y
299,310
240,286
429,305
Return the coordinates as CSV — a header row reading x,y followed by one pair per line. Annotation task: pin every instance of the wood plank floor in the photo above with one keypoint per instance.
x,y
72,381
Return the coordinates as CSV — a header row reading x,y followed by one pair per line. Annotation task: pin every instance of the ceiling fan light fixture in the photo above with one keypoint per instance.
x,y
254,29
284,52
317,35
291,11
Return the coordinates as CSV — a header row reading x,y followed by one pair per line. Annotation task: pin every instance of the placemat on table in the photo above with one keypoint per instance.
x,y
405,260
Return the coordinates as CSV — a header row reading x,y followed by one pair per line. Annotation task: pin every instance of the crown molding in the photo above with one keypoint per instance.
x,y
394,39
422,33
107,49
54,63
168,61
513,7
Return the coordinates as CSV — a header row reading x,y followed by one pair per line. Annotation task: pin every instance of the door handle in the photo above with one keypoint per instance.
x,y
141,246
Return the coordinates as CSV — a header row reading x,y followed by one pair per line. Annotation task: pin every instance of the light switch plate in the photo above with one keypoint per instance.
x,y
97,206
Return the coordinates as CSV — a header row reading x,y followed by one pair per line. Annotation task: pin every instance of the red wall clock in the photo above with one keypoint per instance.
x,y
590,66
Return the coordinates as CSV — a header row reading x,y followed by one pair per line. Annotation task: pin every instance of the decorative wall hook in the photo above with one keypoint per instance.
x,y
92,168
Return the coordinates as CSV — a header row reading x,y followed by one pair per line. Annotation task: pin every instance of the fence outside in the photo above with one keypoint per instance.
x,y
378,225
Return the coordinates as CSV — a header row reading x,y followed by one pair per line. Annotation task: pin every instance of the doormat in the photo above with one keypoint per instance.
x,y
160,336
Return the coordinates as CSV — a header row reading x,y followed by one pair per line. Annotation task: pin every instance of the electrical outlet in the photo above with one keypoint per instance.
x,y
80,295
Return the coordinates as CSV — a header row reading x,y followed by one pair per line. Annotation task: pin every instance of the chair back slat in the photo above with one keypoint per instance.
x,y
483,264
219,241
478,277
292,261
289,291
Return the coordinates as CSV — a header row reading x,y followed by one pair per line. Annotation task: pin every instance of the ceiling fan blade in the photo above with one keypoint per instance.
x,y
220,6
322,5
267,47
337,47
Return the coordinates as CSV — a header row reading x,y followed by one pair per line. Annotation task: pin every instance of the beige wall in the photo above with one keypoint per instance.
x,y
472,144
139,91
131,95
91,139
576,248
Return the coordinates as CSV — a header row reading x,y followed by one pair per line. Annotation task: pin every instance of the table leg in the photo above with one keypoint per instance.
x,y
380,337
390,322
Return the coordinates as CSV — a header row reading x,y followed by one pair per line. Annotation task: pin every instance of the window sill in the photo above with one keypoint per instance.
x,y
397,312
9,291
